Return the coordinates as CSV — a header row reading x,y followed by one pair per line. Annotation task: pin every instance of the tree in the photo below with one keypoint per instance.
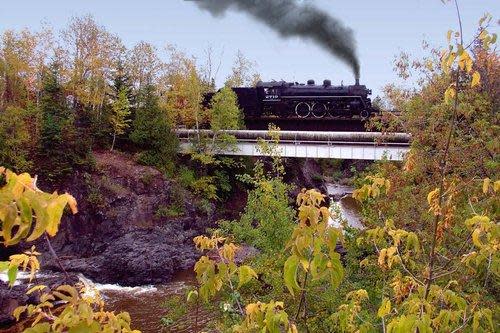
x,y
89,55
15,139
243,73
225,113
56,139
268,219
121,112
431,230
144,64
22,58
152,133
183,90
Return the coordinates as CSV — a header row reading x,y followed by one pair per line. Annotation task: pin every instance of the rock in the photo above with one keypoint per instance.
x,y
10,298
305,174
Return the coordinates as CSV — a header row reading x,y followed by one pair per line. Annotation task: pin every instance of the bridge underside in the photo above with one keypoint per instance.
x,y
344,151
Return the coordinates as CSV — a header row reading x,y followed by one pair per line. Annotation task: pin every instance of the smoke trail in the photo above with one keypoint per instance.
x,y
290,19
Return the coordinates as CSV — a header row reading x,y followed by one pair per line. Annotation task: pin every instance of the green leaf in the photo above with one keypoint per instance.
x,y
39,328
245,274
493,38
290,273
4,265
336,270
42,219
9,222
192,295
12,275
318,266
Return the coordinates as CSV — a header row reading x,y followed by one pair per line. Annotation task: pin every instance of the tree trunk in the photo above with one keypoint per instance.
x,y
113,143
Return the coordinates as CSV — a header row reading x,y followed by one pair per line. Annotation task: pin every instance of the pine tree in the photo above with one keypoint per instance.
x,y
122,81
152,133
120,115
56,139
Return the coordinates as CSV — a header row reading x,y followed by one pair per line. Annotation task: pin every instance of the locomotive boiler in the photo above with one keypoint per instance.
x,y
280,99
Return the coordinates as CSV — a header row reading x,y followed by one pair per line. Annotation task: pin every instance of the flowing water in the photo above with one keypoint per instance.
x,y
146,304
343,206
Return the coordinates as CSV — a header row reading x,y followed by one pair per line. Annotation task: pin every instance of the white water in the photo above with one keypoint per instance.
x,y
89,285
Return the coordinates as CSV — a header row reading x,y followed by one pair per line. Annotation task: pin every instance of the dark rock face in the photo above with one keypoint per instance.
x,y
120,235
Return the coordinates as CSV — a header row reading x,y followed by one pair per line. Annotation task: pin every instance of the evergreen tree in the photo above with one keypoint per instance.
x,y
152,133
57,128
120,116
122,81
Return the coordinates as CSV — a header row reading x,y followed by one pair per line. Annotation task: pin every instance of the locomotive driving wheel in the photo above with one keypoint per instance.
x,y
302,110
319,110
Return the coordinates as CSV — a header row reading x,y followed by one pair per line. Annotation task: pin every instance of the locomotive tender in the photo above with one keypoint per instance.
x,y
280,99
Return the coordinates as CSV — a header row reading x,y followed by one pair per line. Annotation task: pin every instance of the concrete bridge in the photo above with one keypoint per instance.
x,y
310,144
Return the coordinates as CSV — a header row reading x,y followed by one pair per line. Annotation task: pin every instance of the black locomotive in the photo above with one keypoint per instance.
x,y
280,99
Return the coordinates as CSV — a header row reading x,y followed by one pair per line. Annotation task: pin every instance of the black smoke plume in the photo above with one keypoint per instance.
x,y
291,19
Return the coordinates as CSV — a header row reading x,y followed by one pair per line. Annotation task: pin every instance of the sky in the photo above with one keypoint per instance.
x,y
382,30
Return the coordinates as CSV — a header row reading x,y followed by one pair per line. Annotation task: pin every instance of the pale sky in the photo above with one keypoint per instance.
x,y
382,29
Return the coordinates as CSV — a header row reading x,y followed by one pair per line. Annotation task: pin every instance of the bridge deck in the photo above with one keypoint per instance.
x,y
332,145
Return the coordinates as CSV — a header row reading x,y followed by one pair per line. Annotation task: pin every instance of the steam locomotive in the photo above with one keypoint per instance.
x,y
280,99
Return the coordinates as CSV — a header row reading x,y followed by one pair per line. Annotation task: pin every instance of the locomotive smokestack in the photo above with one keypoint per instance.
x,y
357,81
290,19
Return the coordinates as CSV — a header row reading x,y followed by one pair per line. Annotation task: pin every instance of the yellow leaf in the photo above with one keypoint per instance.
x,y
385,308
251,308
449,94
486,185
245,274
18,311
476,234
36,288
476,79
72,203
